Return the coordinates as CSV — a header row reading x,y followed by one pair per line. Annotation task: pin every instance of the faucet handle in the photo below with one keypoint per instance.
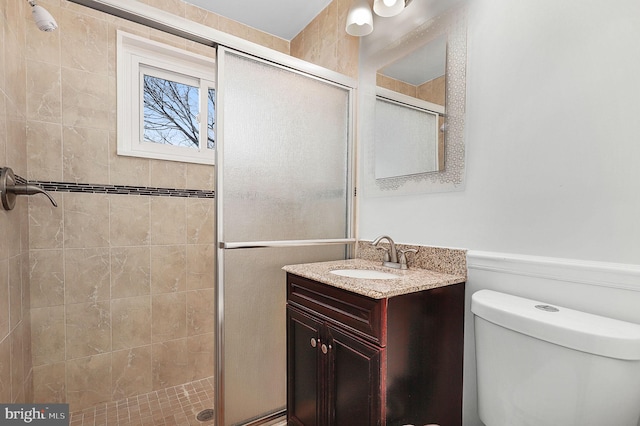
x,y
386,257
403,257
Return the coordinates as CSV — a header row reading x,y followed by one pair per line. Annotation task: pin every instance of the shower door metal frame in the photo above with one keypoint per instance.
x,y
310,71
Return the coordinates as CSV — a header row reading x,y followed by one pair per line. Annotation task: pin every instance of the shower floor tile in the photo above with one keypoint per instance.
x,y
176,406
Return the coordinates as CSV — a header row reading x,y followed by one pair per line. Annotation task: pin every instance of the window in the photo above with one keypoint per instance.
x,y
166,102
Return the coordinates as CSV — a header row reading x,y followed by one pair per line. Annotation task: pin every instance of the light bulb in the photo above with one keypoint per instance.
x,y
387,8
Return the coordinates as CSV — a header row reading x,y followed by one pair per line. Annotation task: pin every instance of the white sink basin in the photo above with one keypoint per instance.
x,y
366,274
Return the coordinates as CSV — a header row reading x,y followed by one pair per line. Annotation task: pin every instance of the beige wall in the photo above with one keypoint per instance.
x,y
324,41
432,91
121,298
15,341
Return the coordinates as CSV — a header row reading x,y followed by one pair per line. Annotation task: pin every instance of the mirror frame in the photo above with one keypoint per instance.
x,y
453,24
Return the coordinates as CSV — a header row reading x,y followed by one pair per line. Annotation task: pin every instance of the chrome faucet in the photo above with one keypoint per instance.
x,y
391,259
9,189
390,255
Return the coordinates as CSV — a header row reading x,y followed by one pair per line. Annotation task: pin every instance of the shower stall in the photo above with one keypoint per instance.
x,y
111,298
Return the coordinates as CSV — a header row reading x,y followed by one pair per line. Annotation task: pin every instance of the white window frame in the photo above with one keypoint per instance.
x,y
136,54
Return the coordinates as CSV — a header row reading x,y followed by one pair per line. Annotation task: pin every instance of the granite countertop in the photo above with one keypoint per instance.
x,y
409,281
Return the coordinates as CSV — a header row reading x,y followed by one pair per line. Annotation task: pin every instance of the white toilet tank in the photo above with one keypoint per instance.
x,y
543,365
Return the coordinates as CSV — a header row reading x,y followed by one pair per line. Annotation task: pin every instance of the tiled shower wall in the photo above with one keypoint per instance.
x,y
15,341
122,295
121,298
324,41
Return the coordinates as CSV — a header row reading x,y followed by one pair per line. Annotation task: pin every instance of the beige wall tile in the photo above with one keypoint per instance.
x,y
169,316
88,381
27,354
49,383
131,372
17,364
12,237
129,217
87,275
15,71
85,155
168,220
83,99
168,269
4,299
168,174
47,335
86,220
5,370
3,128
85,42
131,322
200,176
200,356
46,229
125,170
433,91
88,329
130,272
43,92
324,41
176,7
46,278
15,291
44,151
201,16
200,312
169,363
201,220
201,266
16,151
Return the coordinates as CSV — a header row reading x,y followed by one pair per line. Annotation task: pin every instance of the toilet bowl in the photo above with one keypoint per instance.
x,y
543,365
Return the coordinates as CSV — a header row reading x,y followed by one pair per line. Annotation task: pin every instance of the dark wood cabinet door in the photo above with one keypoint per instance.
x,y
303,365
353,380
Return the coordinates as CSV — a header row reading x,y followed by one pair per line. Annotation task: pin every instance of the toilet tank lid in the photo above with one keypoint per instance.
x,y
566,327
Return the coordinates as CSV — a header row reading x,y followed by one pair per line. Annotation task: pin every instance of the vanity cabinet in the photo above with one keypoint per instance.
x,y
357,361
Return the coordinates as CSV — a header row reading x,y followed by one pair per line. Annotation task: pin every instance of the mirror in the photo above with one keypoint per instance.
x,y
411,86
410,112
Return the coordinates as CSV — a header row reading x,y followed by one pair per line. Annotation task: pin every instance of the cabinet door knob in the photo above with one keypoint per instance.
x,y
314,342
324,348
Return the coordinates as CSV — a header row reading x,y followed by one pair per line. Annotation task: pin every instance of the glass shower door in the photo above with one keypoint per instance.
x,y
284,196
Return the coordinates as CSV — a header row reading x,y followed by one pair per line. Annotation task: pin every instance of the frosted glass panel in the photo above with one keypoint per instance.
x,y
285,154
283,169
255,333
406,140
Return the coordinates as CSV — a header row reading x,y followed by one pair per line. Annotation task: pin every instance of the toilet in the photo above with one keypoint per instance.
x,y
544,365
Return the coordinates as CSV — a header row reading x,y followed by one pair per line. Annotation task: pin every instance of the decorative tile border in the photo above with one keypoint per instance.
x,y
118,189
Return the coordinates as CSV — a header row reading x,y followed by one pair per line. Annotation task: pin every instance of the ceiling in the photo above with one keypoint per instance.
x,y
282,18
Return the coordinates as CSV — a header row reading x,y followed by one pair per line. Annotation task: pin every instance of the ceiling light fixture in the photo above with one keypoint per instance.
x,y
360,18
